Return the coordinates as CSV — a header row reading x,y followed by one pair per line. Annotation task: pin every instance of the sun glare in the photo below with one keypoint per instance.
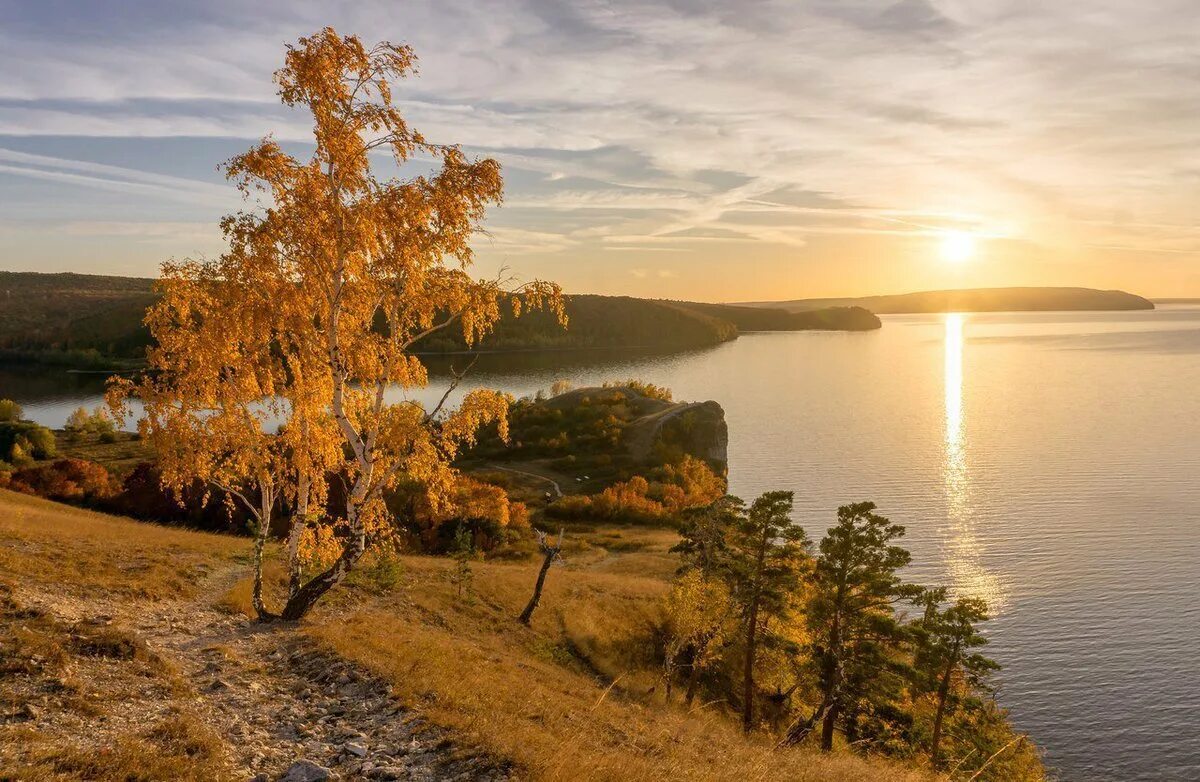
x,y
958,246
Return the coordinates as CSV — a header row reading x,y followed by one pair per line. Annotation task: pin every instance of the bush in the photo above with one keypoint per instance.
x,y
32,441
670,489
66,480
142,496
483,509
97,423
10,410
19,453
642,387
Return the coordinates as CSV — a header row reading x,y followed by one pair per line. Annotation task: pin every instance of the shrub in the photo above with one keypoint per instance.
x,y
19,453
10,410
97,423
642,387
66,480
36,442
142,496
669,490
483,508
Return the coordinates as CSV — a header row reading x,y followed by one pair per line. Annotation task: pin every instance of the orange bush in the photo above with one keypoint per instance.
x,y
66,480
672,488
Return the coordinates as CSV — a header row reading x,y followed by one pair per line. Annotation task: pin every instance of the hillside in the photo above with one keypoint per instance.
x,y
83,319
128,664
600,322
763,318
976,300
81,316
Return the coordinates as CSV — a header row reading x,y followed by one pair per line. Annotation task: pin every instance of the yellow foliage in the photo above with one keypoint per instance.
x,y
700,614
670,489
285,325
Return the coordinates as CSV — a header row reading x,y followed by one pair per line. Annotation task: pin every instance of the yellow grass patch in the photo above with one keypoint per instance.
x,y
573,697
69,548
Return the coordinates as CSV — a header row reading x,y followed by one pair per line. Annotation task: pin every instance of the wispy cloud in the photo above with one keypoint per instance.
x,y
113,178
797,131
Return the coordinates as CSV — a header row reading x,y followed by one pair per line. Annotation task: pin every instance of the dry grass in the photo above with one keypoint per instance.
x,y
67,692
574,697
77,550
119,456
179,747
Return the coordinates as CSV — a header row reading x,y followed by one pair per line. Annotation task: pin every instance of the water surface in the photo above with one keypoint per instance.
x,y
1044,461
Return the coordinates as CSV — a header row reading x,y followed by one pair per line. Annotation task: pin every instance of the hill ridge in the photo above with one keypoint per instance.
x,y
996,299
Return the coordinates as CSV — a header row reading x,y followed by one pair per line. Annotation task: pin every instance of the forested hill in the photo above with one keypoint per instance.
x,y
81,319
976,300
756,318
73,318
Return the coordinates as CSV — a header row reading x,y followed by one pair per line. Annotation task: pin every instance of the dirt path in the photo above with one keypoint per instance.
x,y
275,699
558,492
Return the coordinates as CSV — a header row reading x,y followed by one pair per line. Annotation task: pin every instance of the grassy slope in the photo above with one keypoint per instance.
x,y
72,549
978,300
539,696
87,678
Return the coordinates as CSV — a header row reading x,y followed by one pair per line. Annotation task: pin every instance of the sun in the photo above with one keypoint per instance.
x,y
958,246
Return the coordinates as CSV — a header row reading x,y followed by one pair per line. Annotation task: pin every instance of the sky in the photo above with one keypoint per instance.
x,y
721,151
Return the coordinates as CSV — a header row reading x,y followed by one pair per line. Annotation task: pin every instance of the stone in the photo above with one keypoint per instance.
x,y
387,772
357,750
306,771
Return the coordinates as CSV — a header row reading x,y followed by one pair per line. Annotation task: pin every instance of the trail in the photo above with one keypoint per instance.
x,y
558,492
271,695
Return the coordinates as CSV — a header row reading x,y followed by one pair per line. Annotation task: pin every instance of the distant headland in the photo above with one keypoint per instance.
x,y
976,300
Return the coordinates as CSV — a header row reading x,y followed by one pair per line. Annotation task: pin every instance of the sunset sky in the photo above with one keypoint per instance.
x,y
708,150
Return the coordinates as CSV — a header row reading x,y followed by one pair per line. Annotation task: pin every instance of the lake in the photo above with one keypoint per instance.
x,y
1044,461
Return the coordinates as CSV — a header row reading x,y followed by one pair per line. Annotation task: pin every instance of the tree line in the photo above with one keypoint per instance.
x,y
830,640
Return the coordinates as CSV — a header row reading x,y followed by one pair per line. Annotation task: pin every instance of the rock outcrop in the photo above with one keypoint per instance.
x,y
656,425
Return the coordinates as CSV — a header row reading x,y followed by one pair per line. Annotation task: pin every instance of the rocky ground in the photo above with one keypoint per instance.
x,y
283,709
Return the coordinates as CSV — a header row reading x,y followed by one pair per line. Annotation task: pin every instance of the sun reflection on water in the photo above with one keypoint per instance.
x,y
963,551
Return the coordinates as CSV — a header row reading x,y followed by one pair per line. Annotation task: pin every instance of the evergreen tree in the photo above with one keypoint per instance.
x,y
852,622
946,637
765,561
704,535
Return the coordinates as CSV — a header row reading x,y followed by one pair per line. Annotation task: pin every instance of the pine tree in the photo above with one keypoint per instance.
x,y
704,535
945,638
852,622
766,557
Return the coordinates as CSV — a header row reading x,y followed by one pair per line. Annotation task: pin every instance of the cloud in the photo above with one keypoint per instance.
x,y
688,127
113,178
147,231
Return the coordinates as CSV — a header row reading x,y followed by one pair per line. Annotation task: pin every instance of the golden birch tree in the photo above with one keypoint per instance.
x,y
281,365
